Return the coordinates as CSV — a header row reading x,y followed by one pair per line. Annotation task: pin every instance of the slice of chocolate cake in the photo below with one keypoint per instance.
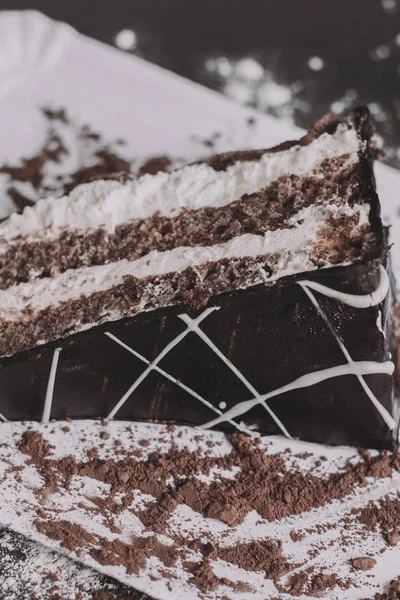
x,y
250,292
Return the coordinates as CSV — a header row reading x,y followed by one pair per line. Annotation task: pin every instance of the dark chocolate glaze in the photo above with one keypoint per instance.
x,y
272,334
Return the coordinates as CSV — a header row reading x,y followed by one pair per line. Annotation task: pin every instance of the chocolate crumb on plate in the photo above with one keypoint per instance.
x,y
48,173
363,563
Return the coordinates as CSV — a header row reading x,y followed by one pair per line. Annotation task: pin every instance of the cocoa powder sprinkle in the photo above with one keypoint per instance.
x,y
263,482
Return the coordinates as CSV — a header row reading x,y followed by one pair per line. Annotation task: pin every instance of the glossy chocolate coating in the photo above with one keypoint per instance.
x,y
271,334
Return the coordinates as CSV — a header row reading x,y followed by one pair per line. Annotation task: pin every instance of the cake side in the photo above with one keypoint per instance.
x,y
244,351
271,208
107,204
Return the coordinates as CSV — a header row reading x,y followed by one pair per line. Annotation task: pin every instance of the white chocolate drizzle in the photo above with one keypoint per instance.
x,y
359,369
173,380
191,323
358,302
364,367
152,365
192,327
50,387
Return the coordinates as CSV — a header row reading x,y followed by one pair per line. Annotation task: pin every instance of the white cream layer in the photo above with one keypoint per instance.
x,y
293,246
107,204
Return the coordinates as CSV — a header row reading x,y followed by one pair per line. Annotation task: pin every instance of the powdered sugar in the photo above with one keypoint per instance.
x,y
30,570
247,81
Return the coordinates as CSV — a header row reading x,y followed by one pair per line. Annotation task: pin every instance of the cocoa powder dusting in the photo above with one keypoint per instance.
x,y
309,583
384,517
203,576
259,556
133,556
150,476
262,482
34,444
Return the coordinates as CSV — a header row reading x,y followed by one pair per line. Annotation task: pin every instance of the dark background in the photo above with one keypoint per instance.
x,y
358,41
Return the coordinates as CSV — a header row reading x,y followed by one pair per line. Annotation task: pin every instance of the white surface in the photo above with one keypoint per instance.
x,y
42,63
75,503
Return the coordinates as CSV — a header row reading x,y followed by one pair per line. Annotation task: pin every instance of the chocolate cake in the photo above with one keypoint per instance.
x,y
247,292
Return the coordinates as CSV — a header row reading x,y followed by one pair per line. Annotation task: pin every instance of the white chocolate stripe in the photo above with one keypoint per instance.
x,y
193,325
292,247
50,387
361,302
154,363
176,382
107,204
356,368
356,301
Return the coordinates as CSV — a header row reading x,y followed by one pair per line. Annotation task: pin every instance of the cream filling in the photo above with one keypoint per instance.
x,y
107,204
292,247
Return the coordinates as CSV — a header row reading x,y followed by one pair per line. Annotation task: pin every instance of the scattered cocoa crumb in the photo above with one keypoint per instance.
x,y
297,536
384,517
309,583
203,576
303,455
209,142
364,563
144,443
227,513
155,165
259,556
102,161
34,444
393,538
56,114
393,592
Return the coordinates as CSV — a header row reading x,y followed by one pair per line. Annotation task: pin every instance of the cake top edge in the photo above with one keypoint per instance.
x,y
215,182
